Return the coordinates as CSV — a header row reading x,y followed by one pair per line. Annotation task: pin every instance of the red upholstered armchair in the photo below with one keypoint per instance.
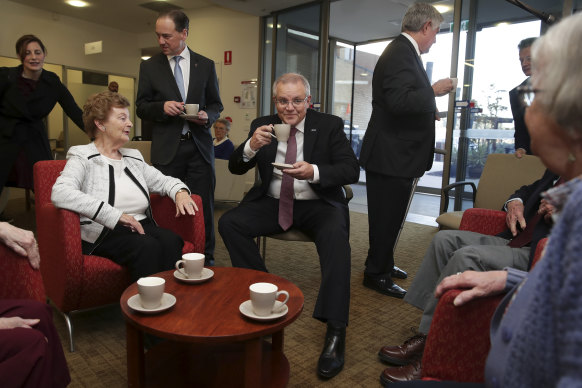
x,y
458,342
18,280
74,281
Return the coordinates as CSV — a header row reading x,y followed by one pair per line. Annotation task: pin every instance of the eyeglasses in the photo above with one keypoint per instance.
x,y
527,94
282,102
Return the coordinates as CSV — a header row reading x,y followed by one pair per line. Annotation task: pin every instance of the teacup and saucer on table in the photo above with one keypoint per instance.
x,y
264,304
151,297
191,269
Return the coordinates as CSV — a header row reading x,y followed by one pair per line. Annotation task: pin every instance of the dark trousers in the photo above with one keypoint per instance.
x,y
387,201
326,224
31,357
191,167
143,254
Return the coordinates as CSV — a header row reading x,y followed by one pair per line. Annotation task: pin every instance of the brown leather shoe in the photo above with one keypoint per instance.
x,y
395,374
404,354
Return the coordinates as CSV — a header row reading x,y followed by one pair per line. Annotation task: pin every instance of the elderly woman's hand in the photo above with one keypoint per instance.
x,y
20,241
131,223
477,285
185,204
14,322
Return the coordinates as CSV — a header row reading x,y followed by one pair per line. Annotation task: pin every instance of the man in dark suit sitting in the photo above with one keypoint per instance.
x,y
399,142
307,195
452,251
181,145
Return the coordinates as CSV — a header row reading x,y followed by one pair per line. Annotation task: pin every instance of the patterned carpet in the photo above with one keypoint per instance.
x,y
375,320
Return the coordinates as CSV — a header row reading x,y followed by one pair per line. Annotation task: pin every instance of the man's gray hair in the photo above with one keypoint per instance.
x,y
556,59
292,78
525,43
418,14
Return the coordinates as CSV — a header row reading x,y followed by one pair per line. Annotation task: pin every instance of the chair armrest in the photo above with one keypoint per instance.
x,y
18,280
190,228
458,341
59,244
448,188
539,251
484,221
349,192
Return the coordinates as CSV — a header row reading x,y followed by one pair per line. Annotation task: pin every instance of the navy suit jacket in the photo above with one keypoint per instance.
x,y
324,144
531,197
521,135
400,137
158,85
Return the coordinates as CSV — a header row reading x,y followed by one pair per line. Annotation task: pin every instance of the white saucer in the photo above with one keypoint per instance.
x,y
188,117
168,300
282,166
246,308
206,274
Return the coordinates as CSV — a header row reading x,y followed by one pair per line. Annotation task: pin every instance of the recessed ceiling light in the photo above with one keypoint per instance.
x,y
443,8
77,3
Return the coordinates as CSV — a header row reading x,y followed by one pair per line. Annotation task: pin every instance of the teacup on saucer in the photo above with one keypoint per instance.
x,y
206,274
168,300
280,310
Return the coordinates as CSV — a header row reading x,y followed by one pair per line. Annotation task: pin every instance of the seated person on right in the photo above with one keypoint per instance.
x,y
453,251
119,227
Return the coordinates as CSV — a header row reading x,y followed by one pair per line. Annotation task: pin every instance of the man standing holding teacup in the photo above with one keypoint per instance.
x,y
399,142
181,142
308,196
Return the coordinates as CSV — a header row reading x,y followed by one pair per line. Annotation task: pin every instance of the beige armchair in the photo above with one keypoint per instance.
x,y
502,175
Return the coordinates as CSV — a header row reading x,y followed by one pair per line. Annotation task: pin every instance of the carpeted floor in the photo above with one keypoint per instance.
x,y
375,320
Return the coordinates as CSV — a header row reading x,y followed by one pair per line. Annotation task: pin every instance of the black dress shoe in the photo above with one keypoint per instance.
x,y
384,285
398,273
331,360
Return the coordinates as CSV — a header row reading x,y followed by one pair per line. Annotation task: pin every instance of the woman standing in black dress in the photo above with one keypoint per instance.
x,y
27,95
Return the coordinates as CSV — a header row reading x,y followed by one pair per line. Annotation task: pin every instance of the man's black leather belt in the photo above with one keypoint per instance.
x,y
186,136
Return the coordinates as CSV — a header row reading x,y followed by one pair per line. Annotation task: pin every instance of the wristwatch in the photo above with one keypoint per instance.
x,y
181,190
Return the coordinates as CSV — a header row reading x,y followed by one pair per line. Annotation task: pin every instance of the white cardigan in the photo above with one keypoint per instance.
x,y
86,186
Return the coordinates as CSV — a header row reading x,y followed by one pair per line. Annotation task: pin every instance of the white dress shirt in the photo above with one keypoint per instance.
x,y
301,188
185,67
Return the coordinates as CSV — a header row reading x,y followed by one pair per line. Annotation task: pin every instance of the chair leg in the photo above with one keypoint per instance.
x,y
70,330
264,244
414,183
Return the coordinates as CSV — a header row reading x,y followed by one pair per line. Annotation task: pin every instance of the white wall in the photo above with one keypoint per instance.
x,y
65,38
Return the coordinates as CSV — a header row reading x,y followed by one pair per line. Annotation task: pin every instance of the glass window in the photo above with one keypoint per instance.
x,y
298,45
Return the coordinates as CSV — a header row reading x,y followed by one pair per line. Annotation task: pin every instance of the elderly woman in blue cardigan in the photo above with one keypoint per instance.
x,y
536,332
109,186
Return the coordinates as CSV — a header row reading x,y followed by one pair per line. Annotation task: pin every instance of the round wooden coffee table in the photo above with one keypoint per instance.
x,y
210,342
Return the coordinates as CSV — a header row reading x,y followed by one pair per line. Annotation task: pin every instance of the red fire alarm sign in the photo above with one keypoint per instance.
x,y
228,57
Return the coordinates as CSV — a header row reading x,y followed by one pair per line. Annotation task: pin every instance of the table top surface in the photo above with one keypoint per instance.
x,y
208,312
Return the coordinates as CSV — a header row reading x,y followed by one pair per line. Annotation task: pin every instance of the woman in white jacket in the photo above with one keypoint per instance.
x,y
109,187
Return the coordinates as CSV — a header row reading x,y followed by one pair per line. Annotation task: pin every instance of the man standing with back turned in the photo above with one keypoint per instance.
x,y
182,147
399,142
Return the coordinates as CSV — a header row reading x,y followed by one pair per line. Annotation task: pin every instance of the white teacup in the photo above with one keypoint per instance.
x,y
263,296
191,109
282,131
151,290
191,265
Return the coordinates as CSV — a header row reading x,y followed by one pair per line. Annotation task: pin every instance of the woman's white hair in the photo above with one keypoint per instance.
x,y
556,60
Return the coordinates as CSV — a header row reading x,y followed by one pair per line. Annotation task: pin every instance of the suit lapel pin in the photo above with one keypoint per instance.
x,y
313,129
